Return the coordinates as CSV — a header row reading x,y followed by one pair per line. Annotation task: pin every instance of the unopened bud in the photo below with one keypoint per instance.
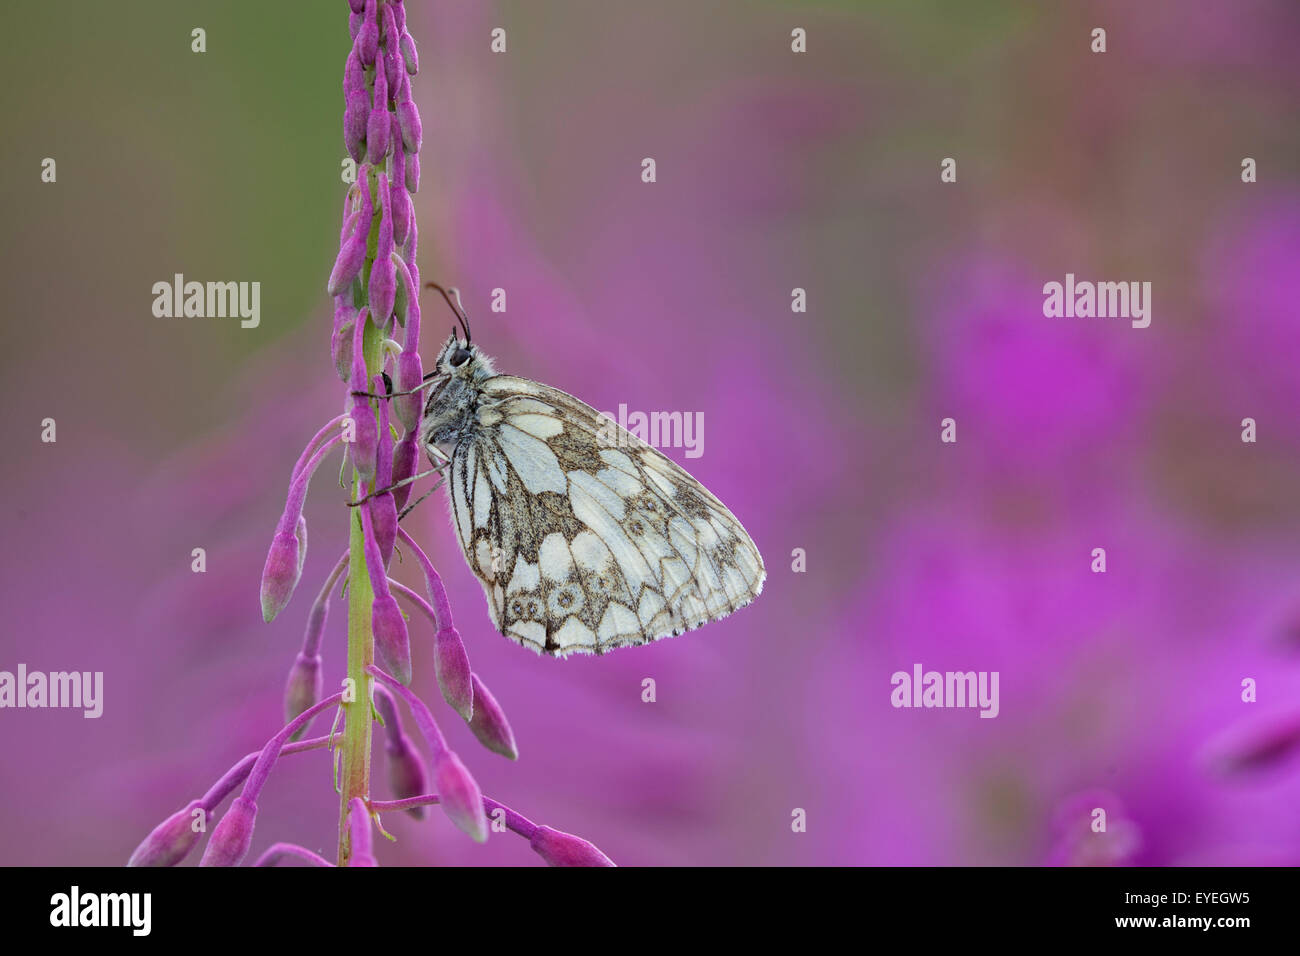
x,y
232,836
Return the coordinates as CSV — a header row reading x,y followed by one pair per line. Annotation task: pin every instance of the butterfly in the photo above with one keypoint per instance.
x,y
583,536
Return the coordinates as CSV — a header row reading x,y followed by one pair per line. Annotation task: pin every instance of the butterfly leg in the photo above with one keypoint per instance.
x,y
428,380
437,469
399,484
411,507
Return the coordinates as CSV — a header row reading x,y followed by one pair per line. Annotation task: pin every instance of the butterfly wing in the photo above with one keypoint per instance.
x,y
583,536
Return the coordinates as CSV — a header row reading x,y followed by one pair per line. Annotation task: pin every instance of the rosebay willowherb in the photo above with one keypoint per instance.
x,y
374,283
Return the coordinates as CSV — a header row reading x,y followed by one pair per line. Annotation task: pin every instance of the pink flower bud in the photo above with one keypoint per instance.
x,y
452,664
558,848
383,512
389,24
341,349
409,56
303,687
408,408
289,549
173,839
352,252
408,115
341,337
412,177
379,123
460,796
366,440
392,69
406,776
489,723
405,457
360,839
356,118
233,835
367,42
348,263
392,642
354,74
408,256
383,274
383,507
401,200
280,574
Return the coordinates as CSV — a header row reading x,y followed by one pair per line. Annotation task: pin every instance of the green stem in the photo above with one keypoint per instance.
x,y
361,652
361,640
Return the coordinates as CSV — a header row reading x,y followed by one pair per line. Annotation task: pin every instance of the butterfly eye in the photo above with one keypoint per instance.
x,y
459,357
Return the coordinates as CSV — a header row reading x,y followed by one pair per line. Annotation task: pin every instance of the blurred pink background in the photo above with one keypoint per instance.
x,y
775,170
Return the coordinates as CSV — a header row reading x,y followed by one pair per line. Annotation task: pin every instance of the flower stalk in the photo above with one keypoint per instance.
x,y
374,283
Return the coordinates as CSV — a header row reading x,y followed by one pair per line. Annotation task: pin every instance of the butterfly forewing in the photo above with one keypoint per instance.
x,y
585,537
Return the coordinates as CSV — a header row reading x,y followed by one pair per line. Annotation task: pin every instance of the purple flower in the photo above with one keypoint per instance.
x,y
383,274
341,338
173,839
282,570
391,57
409,54
359,835
233,835
356,120
367,39
303,687
408,117
406,776
489,723
366,438
401,206
352,254
558,848
412,173
410,367
379,123
392,644
460,795
451,664
382,507
406,455
368,290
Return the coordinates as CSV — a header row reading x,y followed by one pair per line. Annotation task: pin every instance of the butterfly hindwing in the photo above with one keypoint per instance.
x,y
583,536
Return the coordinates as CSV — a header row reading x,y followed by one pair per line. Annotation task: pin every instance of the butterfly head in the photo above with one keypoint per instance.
x,y
450,409
462,360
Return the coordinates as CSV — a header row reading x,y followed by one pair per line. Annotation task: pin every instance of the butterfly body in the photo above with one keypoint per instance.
x,y
583,537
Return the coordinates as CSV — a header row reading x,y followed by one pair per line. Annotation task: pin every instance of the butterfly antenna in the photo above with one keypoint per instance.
x,y
454,306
